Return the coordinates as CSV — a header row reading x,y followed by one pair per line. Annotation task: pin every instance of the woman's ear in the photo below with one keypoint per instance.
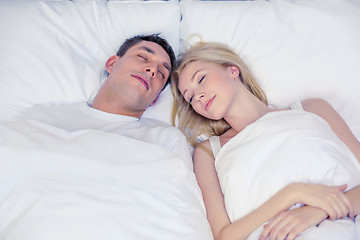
x,y
110,62
234,70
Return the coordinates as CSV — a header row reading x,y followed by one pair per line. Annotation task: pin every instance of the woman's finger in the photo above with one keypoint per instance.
x,y
299,228
337,205
349,208
269,226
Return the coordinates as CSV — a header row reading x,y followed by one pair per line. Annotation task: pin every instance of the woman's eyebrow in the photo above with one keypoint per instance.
x,y
193,76
192,79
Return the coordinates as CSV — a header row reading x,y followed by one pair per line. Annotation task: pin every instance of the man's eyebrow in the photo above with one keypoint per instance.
x,y
149,50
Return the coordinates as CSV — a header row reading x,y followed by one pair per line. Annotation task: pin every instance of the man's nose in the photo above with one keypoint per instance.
x,y
151,68
150,71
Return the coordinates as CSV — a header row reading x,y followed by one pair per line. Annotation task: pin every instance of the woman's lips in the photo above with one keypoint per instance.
x,y
209,103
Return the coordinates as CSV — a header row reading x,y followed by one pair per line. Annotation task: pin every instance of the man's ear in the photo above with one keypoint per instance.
x,y
110,63
234,70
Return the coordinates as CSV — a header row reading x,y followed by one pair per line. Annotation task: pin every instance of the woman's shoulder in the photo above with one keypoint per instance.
x,y
203,148
319,107
309,105
205,143
213,144
229,134
315,104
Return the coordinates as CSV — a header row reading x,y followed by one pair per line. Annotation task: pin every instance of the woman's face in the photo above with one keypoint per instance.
x,y
209,87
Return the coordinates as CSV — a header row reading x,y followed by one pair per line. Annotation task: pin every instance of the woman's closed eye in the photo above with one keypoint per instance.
x,y
200,81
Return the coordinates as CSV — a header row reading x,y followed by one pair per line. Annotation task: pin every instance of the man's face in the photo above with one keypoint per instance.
x,y
137,78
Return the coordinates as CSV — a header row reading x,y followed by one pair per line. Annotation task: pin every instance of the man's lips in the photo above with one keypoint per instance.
x,y
209,103
142,80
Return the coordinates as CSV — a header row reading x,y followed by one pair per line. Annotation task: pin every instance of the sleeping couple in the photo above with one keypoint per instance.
x,y
264,172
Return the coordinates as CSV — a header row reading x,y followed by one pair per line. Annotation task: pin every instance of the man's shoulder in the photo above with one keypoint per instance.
x,y
155,123
39,111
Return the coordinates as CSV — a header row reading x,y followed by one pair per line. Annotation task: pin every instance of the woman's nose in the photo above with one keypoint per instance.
x,y
200,96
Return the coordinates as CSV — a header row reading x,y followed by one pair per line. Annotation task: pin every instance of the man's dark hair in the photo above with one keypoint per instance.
x,y
150,38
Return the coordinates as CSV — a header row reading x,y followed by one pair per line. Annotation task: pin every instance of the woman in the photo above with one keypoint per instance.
x,y
216,95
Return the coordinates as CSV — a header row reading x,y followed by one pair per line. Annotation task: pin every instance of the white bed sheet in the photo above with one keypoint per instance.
x,y
296,146
53,52
92,184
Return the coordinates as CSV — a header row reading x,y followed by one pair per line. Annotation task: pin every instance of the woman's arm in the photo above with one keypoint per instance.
x,y
214,201
288,224
323,109
215,207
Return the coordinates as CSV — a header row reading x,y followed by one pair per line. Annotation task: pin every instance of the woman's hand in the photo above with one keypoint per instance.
x,y
288,224
331,199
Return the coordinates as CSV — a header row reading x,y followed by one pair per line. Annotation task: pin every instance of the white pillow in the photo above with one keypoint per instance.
x,y
54,52
296,49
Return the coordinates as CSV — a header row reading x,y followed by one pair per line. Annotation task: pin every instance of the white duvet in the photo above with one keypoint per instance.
x,y
91,184
280,148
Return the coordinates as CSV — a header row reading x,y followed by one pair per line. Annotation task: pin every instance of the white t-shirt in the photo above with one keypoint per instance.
x,y
80,116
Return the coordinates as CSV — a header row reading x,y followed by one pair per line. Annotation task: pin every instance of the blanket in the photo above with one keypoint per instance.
x,y
92,184
296,146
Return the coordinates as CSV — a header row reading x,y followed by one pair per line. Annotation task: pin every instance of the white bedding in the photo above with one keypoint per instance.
x,y
91,184
294,146
55,185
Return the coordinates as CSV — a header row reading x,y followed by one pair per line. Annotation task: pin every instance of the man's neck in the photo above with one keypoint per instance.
x,y
110,107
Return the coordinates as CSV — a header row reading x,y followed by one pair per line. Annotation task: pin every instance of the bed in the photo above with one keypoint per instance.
x,y
61,185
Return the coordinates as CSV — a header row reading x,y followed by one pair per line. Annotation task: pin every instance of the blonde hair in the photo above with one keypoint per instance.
x,y
191,123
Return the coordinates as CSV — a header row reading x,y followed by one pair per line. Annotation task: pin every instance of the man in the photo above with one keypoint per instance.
x,y
89,170
137,74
